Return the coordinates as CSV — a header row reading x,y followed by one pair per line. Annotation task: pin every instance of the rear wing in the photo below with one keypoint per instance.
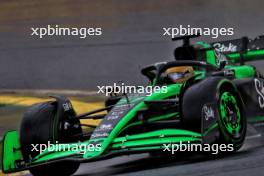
x,y
241,50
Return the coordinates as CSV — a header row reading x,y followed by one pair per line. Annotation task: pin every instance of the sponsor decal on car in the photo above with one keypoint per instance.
x,y
67,106
104,127
208,112
220,58
259,86
99,135
220,47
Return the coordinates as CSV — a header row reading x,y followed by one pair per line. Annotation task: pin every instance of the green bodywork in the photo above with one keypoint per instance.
x,y
11,150
113,142
12,159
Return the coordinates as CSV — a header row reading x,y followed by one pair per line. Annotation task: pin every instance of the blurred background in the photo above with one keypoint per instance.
x,y
132,37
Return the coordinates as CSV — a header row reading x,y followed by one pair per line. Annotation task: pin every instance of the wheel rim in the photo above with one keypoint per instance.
x,y
230,114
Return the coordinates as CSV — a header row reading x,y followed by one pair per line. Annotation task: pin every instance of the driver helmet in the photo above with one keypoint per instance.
x,y
180,74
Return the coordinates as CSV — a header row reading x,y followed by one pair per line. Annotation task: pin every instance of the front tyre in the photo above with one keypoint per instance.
x,y
37,128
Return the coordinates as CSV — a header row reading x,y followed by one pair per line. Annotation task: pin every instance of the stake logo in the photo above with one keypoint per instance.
x,y
260,90
208,112
220,47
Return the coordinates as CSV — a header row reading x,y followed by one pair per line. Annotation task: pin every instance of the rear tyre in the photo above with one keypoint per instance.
x,y
222,99
232,121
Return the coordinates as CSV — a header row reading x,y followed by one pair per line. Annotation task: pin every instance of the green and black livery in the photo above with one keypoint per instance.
x,y
212,106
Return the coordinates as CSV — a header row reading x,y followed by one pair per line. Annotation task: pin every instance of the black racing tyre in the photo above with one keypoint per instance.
x,y
36,128
222,96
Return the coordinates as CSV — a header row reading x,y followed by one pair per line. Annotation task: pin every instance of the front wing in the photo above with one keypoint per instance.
x,y
12,159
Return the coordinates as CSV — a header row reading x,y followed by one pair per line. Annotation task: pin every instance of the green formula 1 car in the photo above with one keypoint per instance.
x,y
210,96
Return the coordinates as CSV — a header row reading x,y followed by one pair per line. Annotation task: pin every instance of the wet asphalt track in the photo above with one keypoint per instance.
x,y
132,39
